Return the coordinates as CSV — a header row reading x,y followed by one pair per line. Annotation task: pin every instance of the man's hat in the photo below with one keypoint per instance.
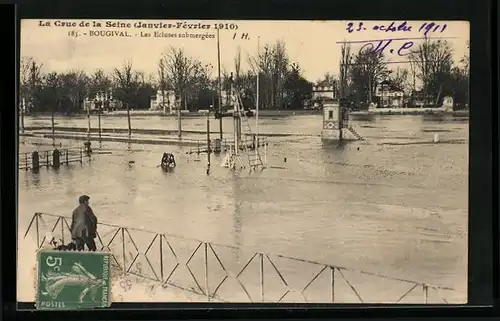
x,y
83,199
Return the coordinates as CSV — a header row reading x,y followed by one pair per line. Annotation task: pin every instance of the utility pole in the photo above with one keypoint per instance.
x,y
236,119
219,91
257,100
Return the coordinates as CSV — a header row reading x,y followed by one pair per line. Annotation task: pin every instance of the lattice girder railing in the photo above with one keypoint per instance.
x,y
121,243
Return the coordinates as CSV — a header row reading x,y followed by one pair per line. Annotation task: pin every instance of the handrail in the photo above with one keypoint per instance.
x,y
162,239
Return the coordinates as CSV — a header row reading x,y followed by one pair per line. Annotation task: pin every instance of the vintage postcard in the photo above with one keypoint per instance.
x,y
243,161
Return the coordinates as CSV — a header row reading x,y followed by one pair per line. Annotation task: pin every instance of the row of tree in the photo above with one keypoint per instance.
x,y
431,63
281,81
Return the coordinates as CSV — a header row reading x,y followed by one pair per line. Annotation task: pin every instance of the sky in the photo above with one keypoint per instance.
x,y
314,45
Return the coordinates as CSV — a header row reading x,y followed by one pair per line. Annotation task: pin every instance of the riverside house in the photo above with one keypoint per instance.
x,y
389,95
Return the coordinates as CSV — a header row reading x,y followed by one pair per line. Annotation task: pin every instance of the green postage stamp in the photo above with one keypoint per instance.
x,y
73,280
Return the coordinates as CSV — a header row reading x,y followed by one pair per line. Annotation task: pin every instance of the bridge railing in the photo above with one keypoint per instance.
x,y
46,158
229,274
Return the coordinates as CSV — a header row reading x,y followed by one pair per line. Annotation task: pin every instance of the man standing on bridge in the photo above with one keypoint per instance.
x,y
84,225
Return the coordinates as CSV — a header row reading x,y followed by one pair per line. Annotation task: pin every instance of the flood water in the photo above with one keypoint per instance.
x,y
394,204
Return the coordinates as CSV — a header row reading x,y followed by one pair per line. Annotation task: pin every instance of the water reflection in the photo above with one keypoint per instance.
x,y
35,178
237,184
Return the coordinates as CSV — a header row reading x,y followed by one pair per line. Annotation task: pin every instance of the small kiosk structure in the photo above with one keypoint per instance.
x,y
448,103
336,120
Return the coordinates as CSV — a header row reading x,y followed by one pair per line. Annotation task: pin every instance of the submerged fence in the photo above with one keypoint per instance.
x,y
50,158
229,274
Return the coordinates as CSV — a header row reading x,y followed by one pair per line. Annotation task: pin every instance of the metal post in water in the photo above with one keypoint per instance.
x,y
37,231
261,259
208,143
53,126
23,106
99,117
332,282
161,257
340,122
206,272
179,116
89,125
265,152
123,251
128,120
257,99
62,230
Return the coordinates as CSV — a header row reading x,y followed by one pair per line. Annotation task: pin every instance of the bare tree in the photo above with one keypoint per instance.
x,y
54,84
345,67
128,83
182,72
75,85
368,69
162,81
400,78
273,65
237,66
29,79
99,83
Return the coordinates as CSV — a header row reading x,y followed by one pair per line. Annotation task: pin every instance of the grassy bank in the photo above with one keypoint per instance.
x,y
159,132
136,113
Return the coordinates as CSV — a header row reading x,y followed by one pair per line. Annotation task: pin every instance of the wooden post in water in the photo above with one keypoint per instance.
x,y
179,114
99,117
53,125
128,118
89,125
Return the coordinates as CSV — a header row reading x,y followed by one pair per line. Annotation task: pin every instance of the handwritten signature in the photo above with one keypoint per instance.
x,y
379,46
425,28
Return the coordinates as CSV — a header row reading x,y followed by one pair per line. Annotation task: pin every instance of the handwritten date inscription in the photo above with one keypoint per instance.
x,y
425,28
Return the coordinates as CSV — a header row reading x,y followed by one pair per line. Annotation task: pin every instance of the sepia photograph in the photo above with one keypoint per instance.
x,y
238,161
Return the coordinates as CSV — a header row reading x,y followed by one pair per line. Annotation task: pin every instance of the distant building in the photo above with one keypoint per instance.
x,y
321,93
448,103
389,95
419,98
225,99
164,100
108,105
324,92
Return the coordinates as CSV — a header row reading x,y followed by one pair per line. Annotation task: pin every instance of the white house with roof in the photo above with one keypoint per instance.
x,y
389,95
164,100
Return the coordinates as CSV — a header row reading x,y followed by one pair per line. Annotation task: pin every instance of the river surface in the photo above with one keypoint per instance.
x,y
394,204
